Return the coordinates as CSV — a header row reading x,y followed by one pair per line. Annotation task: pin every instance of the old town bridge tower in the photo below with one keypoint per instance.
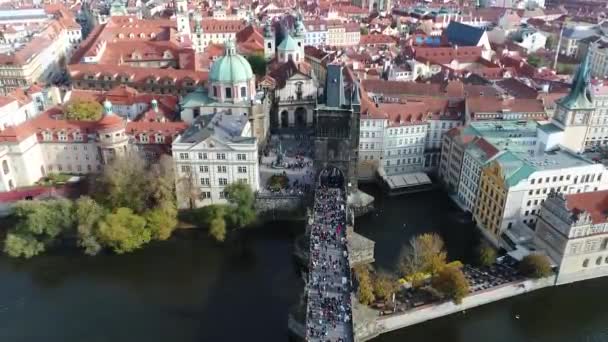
x,y
336,117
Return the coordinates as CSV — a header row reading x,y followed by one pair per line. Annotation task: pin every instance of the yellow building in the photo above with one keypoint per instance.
x,y
491,200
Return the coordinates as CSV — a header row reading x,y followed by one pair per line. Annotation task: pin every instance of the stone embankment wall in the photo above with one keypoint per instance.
x,y
281,207
425,313
421,314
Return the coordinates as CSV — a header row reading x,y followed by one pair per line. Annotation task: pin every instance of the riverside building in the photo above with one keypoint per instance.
x,y
572,230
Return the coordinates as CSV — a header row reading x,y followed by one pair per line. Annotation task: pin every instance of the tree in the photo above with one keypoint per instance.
x,y
217,228
188,189
124,231
22,245
83,110
241,205
39,224
486,254
258,64
124,183
161,222
88,213
162,184
363,31
425,254
365,292
451,283
535,266
384,286
534,61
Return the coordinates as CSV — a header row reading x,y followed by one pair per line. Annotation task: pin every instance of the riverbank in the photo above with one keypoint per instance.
x,y
388,323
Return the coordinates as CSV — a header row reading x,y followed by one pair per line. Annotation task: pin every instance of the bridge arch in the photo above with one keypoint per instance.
x,y
331,177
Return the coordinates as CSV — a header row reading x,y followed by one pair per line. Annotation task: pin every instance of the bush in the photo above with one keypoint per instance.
x,y
278,182
486,255
535,266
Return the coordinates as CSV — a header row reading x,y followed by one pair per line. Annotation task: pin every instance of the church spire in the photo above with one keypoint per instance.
x,y
579,95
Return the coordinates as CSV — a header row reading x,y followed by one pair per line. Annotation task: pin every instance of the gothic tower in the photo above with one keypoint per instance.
x,y
574,111
337,125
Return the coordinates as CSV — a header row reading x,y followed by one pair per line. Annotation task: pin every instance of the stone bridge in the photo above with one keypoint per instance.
x,y
328,289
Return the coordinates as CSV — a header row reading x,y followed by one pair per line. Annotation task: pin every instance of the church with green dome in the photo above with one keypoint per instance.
x,y
231,89
231,78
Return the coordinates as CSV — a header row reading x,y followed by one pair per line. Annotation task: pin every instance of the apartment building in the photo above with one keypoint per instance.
x,y
513,187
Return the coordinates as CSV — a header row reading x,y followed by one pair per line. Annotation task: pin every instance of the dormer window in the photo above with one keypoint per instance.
x,y
160,139
62,136
167,55
47,136
143,138
131,35
77,136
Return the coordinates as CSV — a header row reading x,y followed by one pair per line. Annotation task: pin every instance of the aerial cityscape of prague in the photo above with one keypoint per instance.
x,y
303,170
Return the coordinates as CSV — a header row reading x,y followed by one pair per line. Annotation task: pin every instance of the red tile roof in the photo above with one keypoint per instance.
x,y
377,39
595,203
487,104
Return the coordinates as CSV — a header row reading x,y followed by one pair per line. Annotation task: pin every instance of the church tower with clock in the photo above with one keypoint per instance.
x,y
574,111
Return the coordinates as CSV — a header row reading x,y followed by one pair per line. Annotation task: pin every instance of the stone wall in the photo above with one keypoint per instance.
x,y
282,207
432,311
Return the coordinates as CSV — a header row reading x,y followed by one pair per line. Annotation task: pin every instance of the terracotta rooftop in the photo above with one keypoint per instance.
x,y
595,203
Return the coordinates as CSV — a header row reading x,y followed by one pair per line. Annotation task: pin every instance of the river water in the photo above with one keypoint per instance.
x,y
192,289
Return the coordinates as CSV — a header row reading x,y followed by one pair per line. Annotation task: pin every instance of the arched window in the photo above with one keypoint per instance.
x,y
243,91
586,263
214,91
228,92
598,261
5,167
11,186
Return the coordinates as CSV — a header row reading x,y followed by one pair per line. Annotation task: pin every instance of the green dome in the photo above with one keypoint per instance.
x,y
288,44
230,68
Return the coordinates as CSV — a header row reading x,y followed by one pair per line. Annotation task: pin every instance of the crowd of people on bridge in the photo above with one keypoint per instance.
x,y
329,315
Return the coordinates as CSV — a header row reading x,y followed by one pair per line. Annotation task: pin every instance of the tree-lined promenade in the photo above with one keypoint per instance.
x,y
129,204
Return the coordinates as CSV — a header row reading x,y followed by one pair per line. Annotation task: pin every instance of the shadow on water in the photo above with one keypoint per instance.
x,y
398,219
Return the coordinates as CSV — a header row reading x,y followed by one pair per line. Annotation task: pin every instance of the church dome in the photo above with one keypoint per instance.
x,y
231,68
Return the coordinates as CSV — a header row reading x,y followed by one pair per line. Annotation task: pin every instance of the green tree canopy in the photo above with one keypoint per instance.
x,y
39,224
83,110
258,64
124,183
451,283
535,266
534,60
161,222
22,245
124,231
88,213
241,205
